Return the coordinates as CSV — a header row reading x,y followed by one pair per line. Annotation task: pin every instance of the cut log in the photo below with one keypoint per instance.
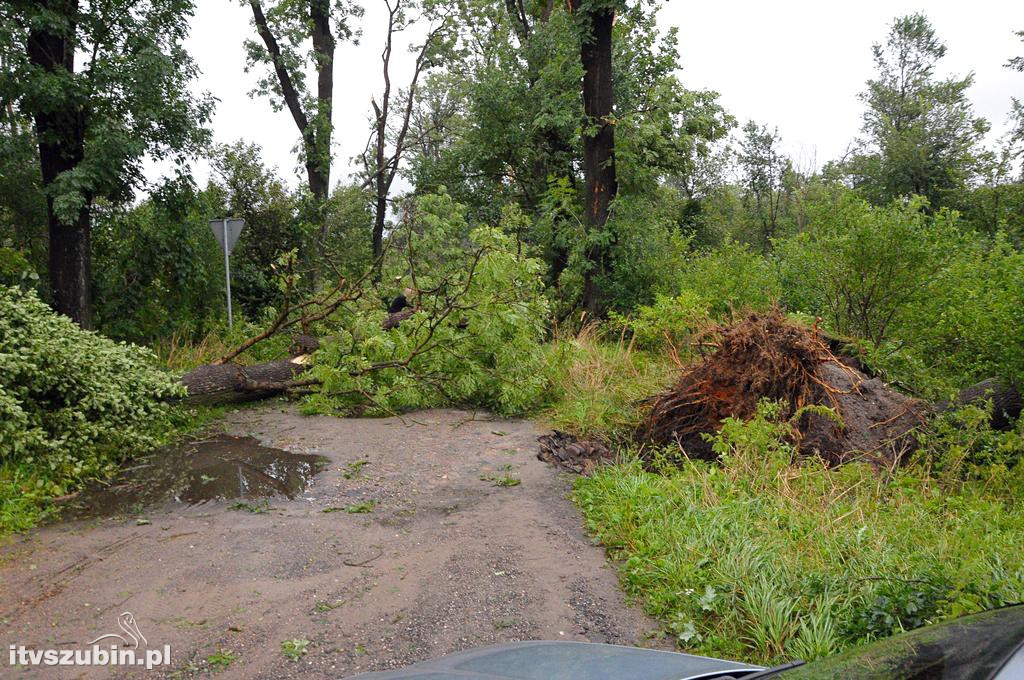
x,y
227,383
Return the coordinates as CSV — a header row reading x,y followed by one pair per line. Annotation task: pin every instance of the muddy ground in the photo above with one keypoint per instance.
x,y
451,554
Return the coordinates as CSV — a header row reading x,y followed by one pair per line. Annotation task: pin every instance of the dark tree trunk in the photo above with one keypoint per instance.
x,y
323,47
316,133
598,141
380,214
61,134
225,383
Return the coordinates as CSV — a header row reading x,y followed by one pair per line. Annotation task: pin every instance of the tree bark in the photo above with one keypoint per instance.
x,y
226,383
61,135
598,141
316,139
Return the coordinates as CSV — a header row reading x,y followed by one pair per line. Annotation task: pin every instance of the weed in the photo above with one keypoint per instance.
x,y
255,508
764,558
354,469
295,648
218,661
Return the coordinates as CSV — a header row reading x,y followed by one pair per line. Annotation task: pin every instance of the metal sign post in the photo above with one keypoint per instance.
x,y
227,230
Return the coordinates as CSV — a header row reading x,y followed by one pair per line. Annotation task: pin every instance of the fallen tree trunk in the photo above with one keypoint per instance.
x,y
227,383
1006,399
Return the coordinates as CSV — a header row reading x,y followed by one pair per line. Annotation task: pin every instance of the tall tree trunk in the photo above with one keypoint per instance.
x,y
323,48
316,132
598,142
61,134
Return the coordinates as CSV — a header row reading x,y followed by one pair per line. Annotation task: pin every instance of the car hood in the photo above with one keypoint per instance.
x,y
540,660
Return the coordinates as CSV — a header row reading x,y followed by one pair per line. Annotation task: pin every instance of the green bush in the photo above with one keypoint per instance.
x,y
732,277
671,322
861,267
968,327
764,559
72,403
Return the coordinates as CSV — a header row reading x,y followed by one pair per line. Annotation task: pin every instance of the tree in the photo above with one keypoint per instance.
x,y
381,165
764,173
287,30
920,132
96,120
254,192
595,20
1017,110
502,126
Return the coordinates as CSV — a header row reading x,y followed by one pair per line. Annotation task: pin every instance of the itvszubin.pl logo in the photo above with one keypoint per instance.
x,y
118,649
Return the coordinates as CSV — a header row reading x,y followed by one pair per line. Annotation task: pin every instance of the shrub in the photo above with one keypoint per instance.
x,y
732,277
968,326
670,323
863,267
72,403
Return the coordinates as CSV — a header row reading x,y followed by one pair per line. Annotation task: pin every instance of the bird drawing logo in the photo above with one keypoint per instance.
x,y
131,629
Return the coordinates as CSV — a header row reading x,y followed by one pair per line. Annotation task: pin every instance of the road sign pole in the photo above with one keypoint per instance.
x,y
227,272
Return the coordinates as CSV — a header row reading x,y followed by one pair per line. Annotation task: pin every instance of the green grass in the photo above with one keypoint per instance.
x,y
763,560
596,384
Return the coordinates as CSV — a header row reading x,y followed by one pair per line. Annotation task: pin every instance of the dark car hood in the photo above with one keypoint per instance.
x,y
540,660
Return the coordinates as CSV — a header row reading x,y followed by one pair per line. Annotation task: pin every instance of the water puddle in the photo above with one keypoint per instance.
x,y
220,468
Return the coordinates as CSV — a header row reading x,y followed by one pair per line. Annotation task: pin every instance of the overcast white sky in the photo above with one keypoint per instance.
x,y
797,65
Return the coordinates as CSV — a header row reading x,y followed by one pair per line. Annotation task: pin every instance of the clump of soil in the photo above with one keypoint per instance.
x,y
581,456
768,356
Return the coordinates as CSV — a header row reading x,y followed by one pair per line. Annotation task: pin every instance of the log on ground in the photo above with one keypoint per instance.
x,y
227,383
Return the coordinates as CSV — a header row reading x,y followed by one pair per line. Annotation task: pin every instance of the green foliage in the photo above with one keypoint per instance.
x,y
669,323
15,270
219,661
765,559
475,339
157,268
295,648
732,277
72,404
960,331
513,110
863,267
130,97
921,134
22,202
959,445
244,187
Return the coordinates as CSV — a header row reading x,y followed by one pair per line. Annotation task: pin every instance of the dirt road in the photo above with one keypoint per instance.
x,y
451,535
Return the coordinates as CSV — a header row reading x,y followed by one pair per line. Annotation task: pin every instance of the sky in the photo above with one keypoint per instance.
x,y
794,65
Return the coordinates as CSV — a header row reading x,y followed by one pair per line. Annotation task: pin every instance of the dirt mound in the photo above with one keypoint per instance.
x,y
768,356
581,456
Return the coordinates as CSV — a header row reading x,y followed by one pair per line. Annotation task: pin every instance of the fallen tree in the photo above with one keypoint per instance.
x,y
473,338
766,356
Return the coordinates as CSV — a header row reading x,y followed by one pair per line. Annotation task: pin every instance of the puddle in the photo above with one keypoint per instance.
x,y
219,468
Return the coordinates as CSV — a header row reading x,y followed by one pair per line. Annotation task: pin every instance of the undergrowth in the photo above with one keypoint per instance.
x,y
596,384
763,557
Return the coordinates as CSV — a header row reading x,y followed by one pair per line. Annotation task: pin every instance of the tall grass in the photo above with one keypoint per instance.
x,y
764,559
597,382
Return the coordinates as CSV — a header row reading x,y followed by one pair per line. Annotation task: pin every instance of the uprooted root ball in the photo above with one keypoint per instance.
x,y
766,356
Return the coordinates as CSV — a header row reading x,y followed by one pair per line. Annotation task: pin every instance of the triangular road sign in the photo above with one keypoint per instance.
x,y
234,228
